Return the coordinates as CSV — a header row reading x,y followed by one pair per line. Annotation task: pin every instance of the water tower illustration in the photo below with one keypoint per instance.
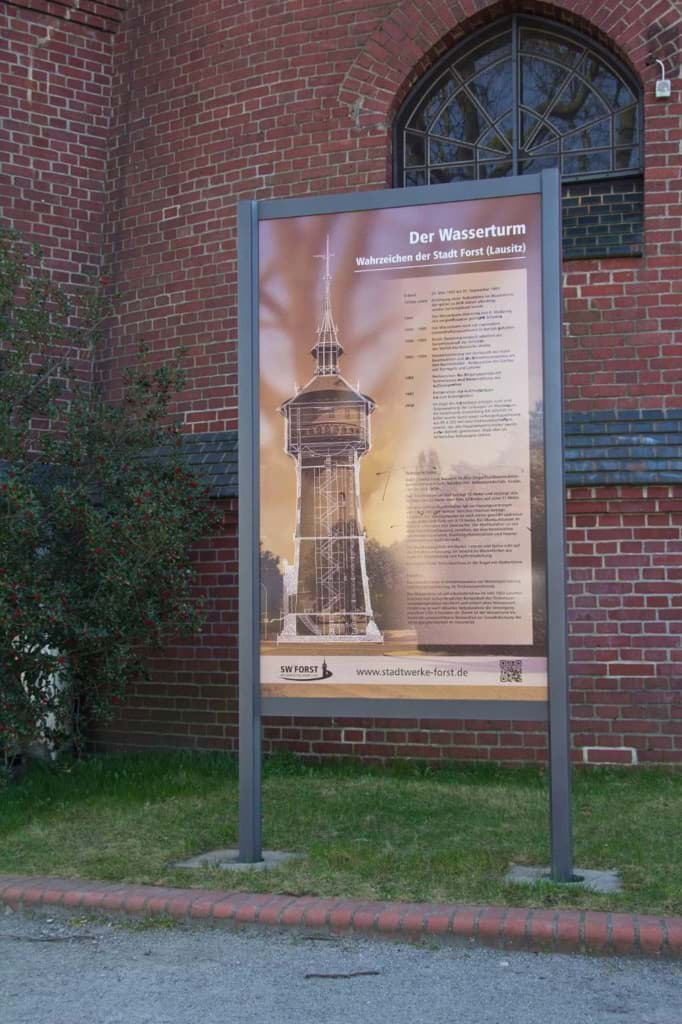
x,y
327,431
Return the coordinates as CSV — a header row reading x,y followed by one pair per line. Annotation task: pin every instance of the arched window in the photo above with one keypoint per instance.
x,y
522,95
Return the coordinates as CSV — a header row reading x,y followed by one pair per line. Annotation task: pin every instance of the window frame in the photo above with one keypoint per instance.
x,y
513,24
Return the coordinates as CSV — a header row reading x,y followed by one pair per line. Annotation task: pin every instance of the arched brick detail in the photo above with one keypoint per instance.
x,y
418,32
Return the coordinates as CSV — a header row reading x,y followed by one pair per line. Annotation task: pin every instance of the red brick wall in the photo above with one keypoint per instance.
x,y
103,15
625,600
214,101
54,132
625,610
219,101
622,328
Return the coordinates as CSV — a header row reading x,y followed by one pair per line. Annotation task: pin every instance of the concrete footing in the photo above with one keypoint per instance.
x,y
228,860
597,881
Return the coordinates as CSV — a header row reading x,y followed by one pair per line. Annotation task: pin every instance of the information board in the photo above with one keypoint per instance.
x,y
401,494
401,453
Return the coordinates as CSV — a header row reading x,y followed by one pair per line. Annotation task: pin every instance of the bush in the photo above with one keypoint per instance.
x,y
97,511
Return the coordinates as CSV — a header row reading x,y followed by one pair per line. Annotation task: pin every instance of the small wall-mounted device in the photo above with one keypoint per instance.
x,y
663,84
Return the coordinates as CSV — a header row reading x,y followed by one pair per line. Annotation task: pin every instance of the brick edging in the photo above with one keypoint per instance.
x,y
565,931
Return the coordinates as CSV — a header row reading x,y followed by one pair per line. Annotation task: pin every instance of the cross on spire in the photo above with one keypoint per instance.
x,y
327,348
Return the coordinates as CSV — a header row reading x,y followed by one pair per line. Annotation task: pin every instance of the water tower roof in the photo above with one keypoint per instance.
x,y
329,388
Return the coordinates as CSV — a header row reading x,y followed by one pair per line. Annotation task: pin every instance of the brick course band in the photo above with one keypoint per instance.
x,y
560,931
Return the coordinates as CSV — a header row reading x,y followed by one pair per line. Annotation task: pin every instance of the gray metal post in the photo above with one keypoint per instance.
x,y
249,549
559,722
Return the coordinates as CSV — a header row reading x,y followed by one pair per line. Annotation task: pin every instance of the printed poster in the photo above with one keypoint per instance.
x,y
402,483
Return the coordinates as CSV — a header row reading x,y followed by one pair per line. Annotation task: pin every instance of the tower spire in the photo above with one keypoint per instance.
x,y
327,348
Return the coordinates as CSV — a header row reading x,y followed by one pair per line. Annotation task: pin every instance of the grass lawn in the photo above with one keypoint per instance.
x,y
409,832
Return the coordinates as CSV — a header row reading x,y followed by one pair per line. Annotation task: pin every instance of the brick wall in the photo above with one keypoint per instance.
x,y
622,328
625,609
214,101
603,218
54,127
103,15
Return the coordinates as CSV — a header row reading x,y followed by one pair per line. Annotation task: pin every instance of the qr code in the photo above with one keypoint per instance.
x,y
511,671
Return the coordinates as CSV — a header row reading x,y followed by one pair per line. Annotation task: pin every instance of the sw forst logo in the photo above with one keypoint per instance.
x,y
311,671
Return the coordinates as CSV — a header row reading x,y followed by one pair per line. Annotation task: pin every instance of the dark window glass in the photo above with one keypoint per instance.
x,y
461,119
541,82
495,169
613,90
415,150
626,158
575,105
433,102
587,163
493,89
626,126
525,95
590,137
538,164
548,44
497,47
415,178
458,172
498,138
443,152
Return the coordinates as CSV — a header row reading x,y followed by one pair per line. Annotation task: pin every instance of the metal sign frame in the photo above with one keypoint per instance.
x,y
251,705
